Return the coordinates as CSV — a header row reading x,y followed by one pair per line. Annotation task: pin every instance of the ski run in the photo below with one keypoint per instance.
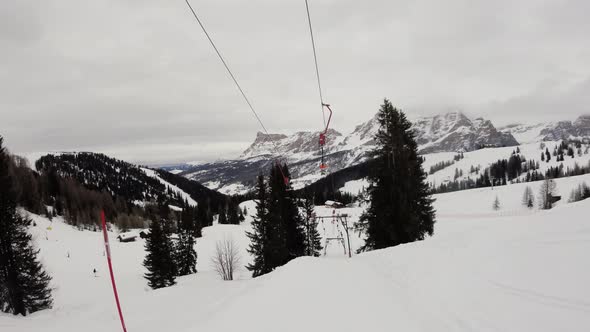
x,y
511,269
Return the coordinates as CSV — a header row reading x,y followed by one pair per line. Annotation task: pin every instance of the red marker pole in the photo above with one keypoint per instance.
x,y
108,251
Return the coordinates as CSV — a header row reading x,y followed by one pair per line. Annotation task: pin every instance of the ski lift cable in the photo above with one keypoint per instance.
x,y
315,59
323,105
227,67
233,77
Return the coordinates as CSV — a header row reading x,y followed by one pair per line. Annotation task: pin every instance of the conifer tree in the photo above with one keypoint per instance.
x,y
496,205
313,240
233,217
287,237
222,218
278,234
259,237
24,285
202,217
197,222
528,199
169,227
186,256
400,209
159,261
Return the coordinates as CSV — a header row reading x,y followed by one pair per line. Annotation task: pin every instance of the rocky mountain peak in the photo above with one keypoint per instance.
x,y
454,131
302,142
583,122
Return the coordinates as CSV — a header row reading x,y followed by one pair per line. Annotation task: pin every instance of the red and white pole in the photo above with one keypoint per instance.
x,y
108,251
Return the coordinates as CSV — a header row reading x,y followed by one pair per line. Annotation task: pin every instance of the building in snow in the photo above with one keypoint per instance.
x,y
334,204
127,237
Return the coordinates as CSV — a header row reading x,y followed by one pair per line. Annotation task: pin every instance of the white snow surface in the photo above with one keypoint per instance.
x,y
483,270
355,186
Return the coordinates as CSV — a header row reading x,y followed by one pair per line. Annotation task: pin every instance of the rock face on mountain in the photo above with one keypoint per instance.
x,y
454,132
442,133
300,144
579,129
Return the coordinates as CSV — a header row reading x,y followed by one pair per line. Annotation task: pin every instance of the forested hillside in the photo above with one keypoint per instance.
x,y
102,173
79,185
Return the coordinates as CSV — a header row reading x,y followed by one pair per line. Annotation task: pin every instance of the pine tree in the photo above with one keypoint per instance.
x,y
233,217
197,222
202,217
400,209
24,285
278,234
222,218
496,205
185,254
287,237
313,240
528,199
259,237
168,227
159,261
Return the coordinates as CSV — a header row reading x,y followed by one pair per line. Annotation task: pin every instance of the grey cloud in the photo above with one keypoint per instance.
x,y
129,76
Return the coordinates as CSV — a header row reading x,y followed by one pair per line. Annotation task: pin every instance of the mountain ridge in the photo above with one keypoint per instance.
x,y
449,132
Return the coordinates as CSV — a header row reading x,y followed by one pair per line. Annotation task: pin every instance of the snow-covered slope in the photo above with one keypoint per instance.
x,y
525,133
485,157
175,189
484,270
482,159
503,274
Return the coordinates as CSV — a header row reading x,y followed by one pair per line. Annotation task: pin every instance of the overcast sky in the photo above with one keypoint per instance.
x,y
137,78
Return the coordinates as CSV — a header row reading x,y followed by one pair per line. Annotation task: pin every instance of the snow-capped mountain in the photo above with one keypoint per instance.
x,y
455,131
300,145
551,131
450,132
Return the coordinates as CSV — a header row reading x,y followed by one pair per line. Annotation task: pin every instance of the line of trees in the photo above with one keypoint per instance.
x,y
504,171
580,193
440,166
